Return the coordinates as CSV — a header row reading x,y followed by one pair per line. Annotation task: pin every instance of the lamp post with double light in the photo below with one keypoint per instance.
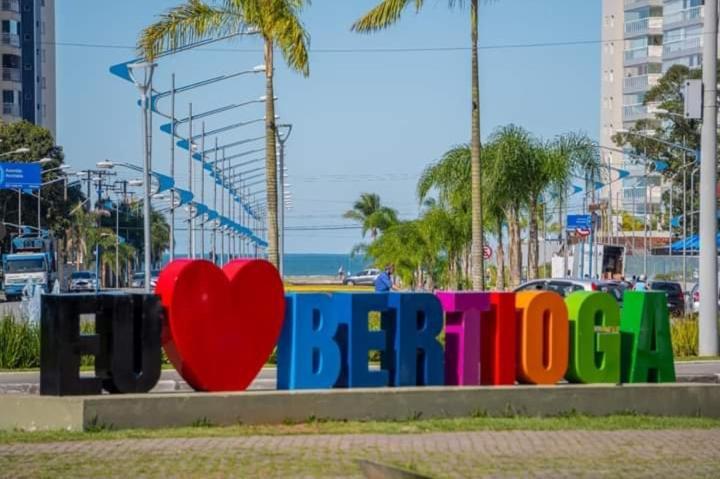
x,y
142,74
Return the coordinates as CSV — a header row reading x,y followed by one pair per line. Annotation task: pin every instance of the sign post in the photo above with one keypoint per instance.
x,y
20,176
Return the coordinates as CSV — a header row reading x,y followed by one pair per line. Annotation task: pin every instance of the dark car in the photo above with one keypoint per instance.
x,y
674,292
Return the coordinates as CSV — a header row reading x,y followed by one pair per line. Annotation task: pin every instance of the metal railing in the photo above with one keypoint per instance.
x,y
11,74
641,82
687,15
10,6
692,43
10,39
11,109
652,51
641,3
644,25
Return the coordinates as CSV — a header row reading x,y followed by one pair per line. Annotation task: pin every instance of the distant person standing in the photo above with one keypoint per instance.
x,y
384,282
341,273
641,283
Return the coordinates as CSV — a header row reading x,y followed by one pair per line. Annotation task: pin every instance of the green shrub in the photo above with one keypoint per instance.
x,y
684,333
19,344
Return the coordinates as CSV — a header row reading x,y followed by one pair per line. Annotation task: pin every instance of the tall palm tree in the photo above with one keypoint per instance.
x,y
278,22
510,150
385,14
372,215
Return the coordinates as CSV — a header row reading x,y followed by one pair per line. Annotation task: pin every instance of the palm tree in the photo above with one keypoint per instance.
x,y
372,215
450,178
385,14
277,21
509,152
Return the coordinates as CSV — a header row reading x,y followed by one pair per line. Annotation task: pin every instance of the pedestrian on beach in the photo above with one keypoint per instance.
x,y
384,282
341,273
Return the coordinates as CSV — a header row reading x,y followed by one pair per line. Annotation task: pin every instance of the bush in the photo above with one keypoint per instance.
x,y
19,344
684,334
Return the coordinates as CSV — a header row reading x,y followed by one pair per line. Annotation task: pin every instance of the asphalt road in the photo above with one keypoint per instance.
x,y
690,371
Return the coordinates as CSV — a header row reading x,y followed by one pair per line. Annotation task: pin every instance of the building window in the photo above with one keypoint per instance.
x,y
8,96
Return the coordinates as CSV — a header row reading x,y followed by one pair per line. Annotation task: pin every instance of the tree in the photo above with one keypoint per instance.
x,y
277,21
369,212
511,148
450,178
382,16
55,208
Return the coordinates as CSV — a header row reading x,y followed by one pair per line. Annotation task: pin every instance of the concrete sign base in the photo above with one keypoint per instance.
x,y
28,412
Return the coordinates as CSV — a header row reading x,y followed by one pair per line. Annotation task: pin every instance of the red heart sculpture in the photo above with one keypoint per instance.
x,y
222,325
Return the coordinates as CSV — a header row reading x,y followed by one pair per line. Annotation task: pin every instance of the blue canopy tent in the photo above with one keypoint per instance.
x,y
691,243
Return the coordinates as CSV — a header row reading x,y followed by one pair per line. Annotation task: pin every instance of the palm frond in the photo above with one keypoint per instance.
x,y
290,35
186,24
383,15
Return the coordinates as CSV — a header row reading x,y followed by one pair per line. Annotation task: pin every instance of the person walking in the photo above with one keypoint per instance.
x,y
641,283
384,282
341,273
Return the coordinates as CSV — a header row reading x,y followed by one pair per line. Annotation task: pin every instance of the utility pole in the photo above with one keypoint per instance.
x,y
708,341
191,234
172,168
214,231
202,190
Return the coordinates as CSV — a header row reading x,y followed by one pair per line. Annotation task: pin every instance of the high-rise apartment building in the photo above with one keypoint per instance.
x,y
27,46
641,39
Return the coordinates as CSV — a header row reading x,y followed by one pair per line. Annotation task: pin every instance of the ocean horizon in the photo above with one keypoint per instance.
x,y
318,264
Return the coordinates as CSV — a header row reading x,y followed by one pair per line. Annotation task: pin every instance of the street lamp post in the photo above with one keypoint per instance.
x,y
172,167
281,192
202,190
191,234
215,223
141,74
708,281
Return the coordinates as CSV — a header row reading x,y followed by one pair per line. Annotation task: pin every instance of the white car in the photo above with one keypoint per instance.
x,y
83,281
365,277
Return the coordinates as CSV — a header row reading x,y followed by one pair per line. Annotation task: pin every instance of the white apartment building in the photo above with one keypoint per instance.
x,y
27,47
641,39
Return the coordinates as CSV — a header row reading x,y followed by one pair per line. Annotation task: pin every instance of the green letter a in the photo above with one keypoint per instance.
x,y
647,355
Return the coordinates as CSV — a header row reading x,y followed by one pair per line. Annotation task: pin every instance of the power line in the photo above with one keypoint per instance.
x,y
500,46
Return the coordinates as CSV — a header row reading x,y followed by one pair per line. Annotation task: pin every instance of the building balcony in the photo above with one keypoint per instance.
x,y
11,109
12,39
689,16
11,74
640,83
682,47
645,26
631,4
10,6
652,53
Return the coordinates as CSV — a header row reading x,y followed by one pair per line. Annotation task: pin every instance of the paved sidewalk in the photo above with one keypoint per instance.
x,y
659,453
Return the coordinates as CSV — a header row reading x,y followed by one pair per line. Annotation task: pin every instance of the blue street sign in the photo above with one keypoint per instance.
x,y
575,222
19,175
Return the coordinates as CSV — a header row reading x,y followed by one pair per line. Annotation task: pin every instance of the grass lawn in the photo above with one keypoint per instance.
x,y
409,426
572,445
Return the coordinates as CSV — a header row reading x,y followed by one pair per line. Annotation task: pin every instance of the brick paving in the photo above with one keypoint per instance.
x,y
636,453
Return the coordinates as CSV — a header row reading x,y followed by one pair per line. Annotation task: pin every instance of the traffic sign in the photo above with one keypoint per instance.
x,y
487,252
583,232
19,175
578,221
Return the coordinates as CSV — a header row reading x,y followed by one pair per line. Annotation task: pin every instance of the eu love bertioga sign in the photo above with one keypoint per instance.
x,y
219,327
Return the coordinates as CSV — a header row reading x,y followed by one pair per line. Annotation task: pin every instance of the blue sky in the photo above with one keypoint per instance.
x,y
364,121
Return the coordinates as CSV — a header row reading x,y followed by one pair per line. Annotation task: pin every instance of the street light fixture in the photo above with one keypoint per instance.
x,y
142,74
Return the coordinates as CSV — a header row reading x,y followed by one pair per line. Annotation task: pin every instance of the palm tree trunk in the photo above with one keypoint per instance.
x,y
515,246
271,158
477,261
500,282
533,250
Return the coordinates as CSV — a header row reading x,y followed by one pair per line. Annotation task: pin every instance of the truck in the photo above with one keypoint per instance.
x,y
31,260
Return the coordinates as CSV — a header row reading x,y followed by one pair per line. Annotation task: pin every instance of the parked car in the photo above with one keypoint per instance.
x,y
82,281
695,297
565,286
365,277
674,292
138,279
